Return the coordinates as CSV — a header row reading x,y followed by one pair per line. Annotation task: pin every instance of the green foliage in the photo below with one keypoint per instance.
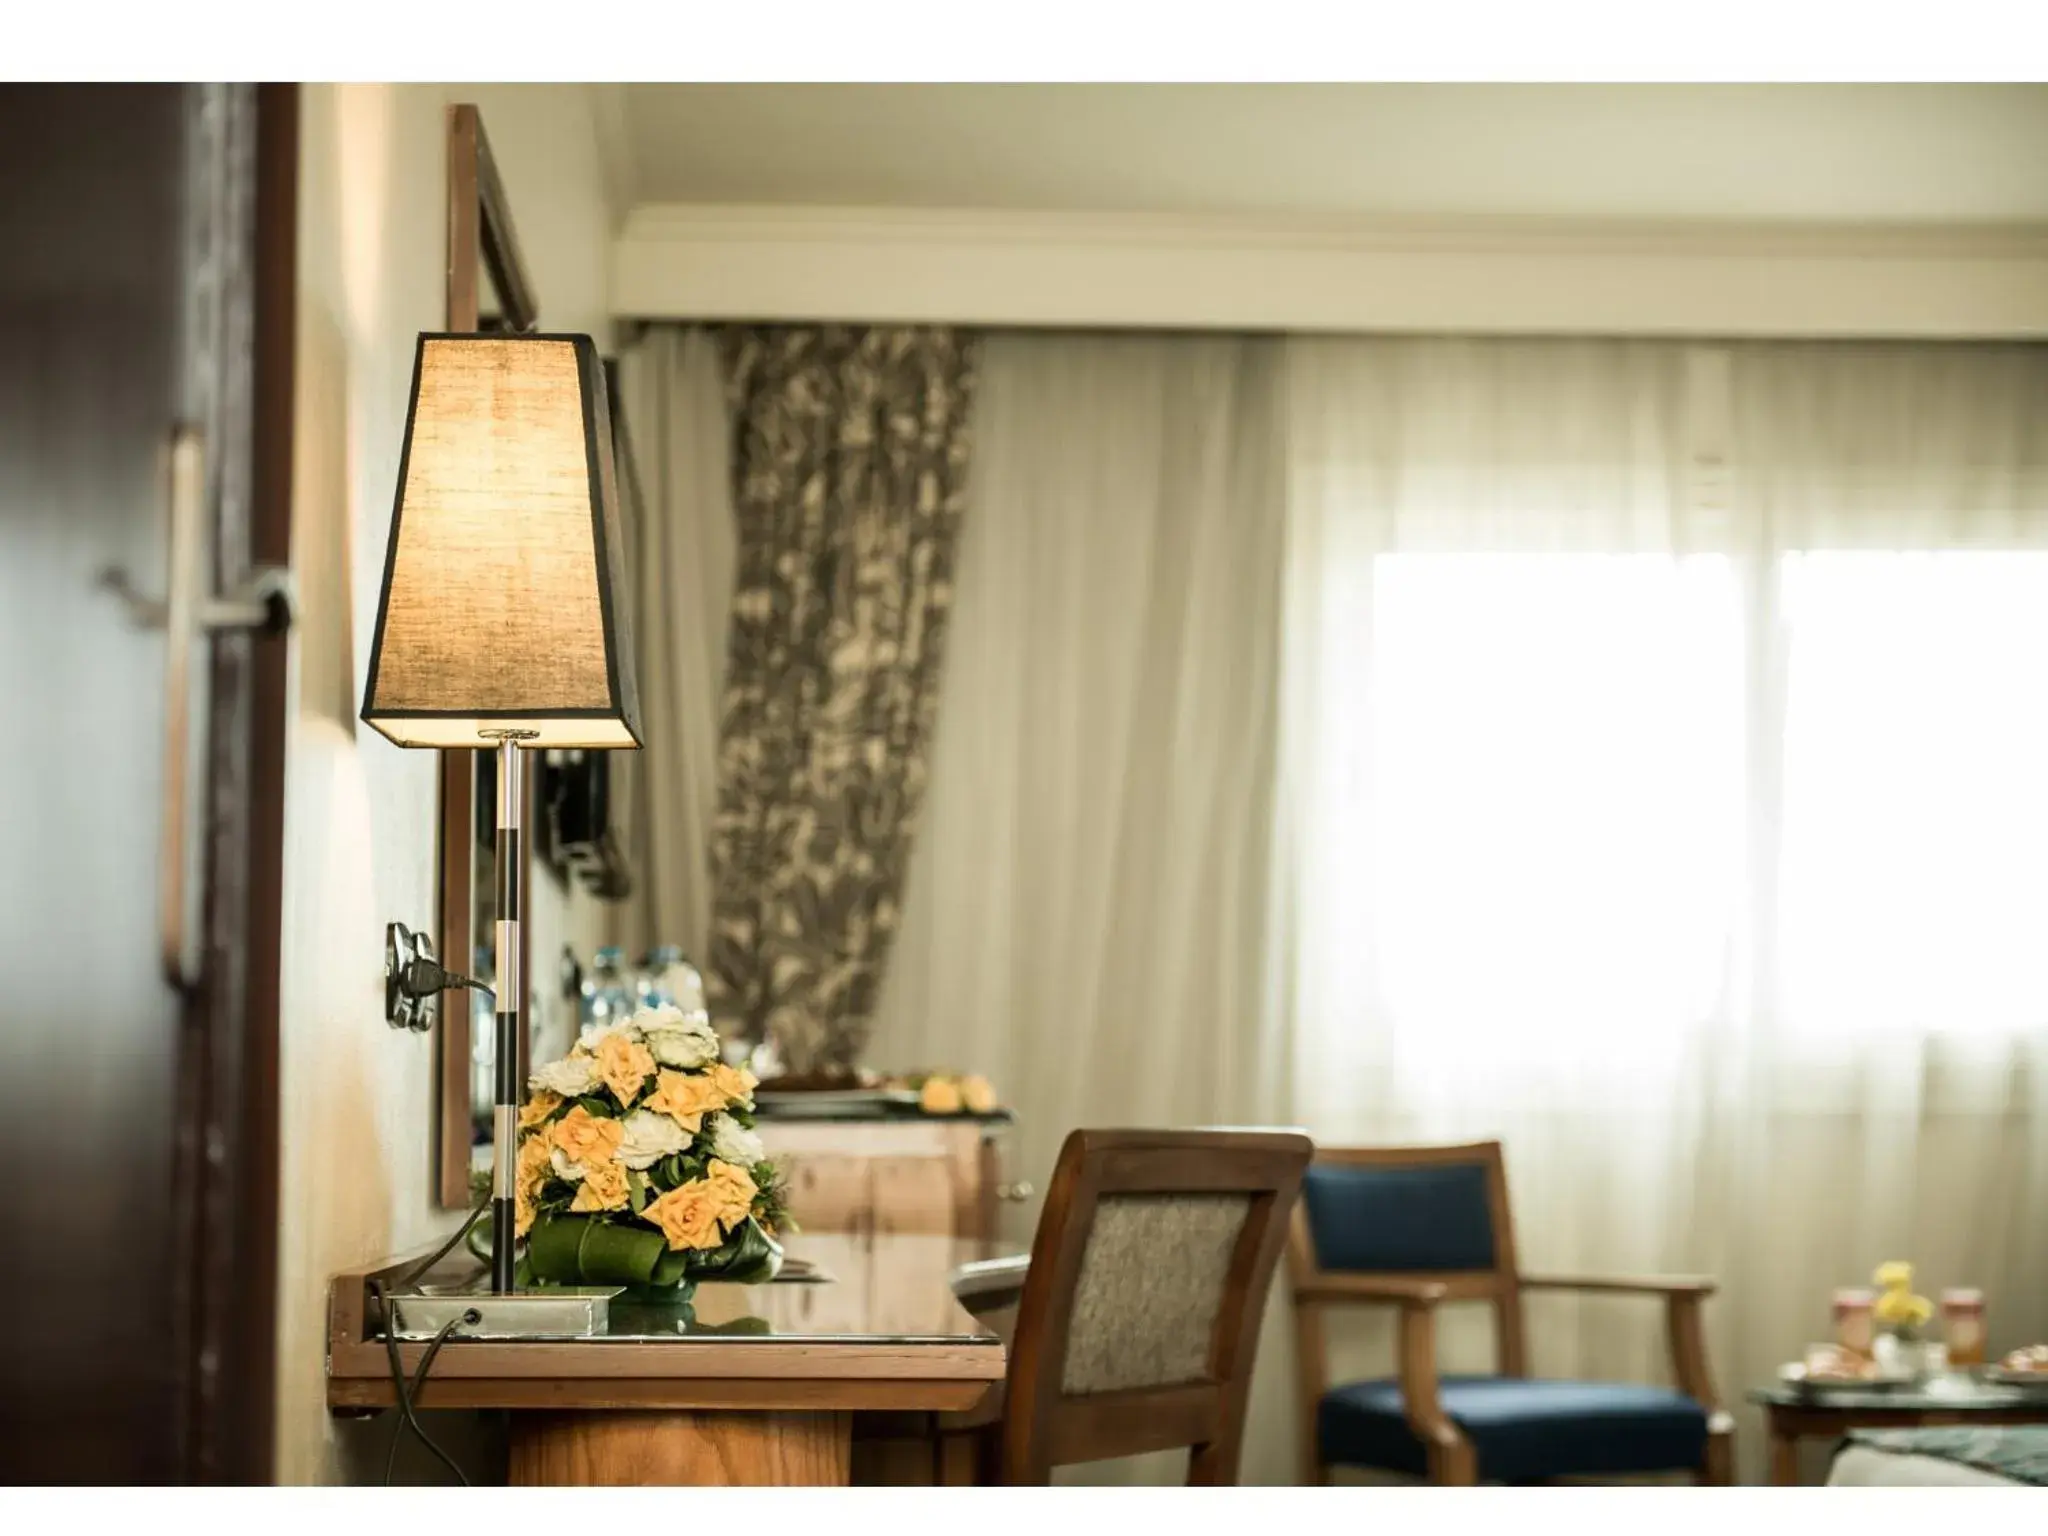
x,y
771,1204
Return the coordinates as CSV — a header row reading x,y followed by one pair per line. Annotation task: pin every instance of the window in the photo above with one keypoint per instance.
x,y
1562,809
1914,863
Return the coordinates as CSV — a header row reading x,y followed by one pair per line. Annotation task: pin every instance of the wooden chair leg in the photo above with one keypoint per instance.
x,y
1717,1465
1454,1464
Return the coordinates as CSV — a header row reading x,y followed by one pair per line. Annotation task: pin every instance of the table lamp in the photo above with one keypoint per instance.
x,y
500,623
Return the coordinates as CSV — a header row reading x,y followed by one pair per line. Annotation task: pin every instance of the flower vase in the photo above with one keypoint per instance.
x,y
1898,1358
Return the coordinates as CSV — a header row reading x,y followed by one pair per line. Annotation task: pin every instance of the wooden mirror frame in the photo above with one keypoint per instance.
x,y
481,242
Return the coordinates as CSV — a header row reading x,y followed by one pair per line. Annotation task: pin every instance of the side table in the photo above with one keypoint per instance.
x,y
1794,1413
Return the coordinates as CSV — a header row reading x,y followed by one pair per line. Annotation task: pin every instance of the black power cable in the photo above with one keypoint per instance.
x,y
406,1394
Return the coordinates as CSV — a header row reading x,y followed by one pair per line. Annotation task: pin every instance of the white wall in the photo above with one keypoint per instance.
x,y
360,813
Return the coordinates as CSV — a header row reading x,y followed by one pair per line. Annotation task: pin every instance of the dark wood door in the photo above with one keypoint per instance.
x,y
145,235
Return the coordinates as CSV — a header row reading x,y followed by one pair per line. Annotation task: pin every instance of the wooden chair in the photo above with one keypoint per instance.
x,y
1414,1227
1139,1315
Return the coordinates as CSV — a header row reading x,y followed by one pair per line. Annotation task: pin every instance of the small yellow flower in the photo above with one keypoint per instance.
x,y
586,1139
687,1097
1894,1275
603,1188
939,1096
1902,1308
544,1102
687,1216
623,1065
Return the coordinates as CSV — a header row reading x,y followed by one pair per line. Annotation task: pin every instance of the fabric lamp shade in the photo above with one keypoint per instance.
x,y
502,601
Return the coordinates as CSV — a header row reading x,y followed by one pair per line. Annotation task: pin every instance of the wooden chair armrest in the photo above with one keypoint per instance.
x,y
1639,1285
1391,1289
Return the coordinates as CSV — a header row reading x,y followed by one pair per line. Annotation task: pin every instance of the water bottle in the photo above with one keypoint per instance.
x,y
606,994
666,980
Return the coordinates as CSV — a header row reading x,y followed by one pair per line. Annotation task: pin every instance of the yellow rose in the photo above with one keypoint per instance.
x,y
623,1065
687,1097
603,1188
544,1102
978,1094
1894,1275
586,1139
687,1216
939,1096
522,1211
734,1188
736,1084
533,1166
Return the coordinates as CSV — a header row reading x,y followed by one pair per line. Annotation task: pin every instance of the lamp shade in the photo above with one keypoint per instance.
x,y
502,593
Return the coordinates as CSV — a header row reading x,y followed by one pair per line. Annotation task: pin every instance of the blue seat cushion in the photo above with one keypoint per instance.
x,y
1521,1428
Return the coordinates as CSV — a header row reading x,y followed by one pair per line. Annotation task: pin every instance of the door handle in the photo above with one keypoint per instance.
x,y
266,602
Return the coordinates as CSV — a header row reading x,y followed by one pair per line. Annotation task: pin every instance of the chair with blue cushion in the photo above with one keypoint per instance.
x,y
1416,1227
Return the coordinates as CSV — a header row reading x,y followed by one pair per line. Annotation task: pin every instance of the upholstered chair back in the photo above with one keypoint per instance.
x,y
1140,1311
1434,1213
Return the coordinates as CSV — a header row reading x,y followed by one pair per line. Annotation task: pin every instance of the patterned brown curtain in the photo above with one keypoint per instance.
x,y
849,469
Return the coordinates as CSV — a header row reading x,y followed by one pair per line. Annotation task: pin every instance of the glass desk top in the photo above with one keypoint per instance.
x,y
1951,1392
895,1288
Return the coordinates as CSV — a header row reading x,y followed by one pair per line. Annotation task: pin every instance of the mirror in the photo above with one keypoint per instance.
x,y
488,289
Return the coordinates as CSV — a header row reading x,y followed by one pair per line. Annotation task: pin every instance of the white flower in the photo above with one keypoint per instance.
x,y
678,1039
734,1142
572,1075
564,1169
649,1138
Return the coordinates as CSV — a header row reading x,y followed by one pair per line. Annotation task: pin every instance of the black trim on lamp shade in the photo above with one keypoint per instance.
x,y
605,534
412,408
557,724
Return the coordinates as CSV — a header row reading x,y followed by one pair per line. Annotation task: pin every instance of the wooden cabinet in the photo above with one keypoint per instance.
x,y
938,1177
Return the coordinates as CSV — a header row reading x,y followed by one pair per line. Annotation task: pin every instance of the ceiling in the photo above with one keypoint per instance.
x,y
1851,154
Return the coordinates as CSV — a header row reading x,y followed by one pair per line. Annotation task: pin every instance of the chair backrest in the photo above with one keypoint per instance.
x,y
1140,1312
1422,1213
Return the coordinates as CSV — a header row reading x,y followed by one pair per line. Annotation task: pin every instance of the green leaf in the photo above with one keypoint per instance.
x,y
636,1190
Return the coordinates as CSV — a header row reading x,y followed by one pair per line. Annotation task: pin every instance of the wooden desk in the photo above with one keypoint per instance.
x,y
753,1385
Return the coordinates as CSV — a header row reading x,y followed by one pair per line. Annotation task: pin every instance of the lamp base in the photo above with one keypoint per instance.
x,y
559,1312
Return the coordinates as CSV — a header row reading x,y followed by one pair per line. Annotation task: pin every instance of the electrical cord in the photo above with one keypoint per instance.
x,y
407,1418
411,1276
405,1393
424,977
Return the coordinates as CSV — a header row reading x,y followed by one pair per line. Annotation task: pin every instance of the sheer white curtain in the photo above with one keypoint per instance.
x,y
1662,749
683,550
1093,852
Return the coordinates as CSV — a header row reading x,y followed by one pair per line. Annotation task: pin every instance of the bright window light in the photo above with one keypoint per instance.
x,y
1558,800
1914,872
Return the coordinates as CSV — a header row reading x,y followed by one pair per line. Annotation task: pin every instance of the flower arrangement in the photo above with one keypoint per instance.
x,y
638,1164
1897,1309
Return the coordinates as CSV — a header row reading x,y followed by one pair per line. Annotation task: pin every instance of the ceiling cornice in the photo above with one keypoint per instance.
x,y
966,266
